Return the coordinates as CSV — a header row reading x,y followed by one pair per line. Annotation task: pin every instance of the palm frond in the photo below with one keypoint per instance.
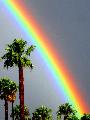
x,y
30,49
25,62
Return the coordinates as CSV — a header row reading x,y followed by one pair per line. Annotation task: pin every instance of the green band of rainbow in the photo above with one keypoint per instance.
x,y
58,68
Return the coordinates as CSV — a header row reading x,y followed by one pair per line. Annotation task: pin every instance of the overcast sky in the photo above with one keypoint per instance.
x,y
67,24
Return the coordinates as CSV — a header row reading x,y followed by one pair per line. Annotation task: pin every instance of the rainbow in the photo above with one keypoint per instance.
x,y
58,68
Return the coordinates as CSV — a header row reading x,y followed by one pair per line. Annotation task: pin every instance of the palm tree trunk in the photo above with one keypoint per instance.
x,y
65,117
21,92
12,111
6,109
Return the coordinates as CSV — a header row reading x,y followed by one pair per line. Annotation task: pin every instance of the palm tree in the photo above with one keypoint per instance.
x,y
12,98
6,88
17,54
42,113
66,110
16,112
85,117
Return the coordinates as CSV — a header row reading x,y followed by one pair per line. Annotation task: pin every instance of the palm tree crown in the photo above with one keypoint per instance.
x,y
7,87
85,117
42,113
66,110
17,54
16,112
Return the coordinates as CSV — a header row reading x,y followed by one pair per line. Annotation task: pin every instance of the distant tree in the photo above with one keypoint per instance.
x,y
7,87
16,112
17,54
85,117
65,110
42,113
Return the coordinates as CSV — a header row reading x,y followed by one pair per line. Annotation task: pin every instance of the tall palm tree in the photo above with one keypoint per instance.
x,y
6,88
17,54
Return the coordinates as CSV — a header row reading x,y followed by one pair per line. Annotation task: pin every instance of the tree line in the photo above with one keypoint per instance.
x,y
18,54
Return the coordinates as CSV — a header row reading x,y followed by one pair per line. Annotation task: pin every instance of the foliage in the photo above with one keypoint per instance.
x,y
7,87
85,117
16,112
17,54
12,97
42,113
66,110
72,117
